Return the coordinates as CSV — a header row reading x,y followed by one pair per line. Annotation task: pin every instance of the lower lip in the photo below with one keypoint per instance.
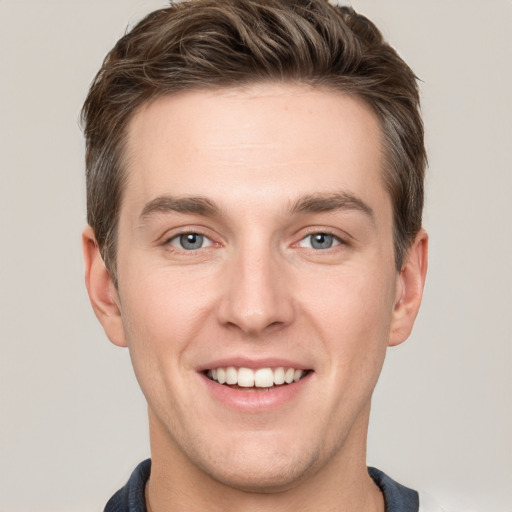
x,y
251,400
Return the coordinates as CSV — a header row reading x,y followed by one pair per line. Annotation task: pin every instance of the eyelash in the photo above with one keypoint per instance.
x,y
177,237
336,241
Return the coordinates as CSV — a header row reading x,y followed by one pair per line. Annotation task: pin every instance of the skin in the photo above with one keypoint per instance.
x,y
257,289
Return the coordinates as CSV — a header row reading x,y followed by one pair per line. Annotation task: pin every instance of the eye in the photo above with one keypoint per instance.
x,y
319,241
190,241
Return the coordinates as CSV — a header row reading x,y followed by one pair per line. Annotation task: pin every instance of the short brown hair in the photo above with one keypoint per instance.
x,y
201,44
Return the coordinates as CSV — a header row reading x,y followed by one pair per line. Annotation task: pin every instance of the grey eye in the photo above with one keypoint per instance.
x,y
319,241
190,241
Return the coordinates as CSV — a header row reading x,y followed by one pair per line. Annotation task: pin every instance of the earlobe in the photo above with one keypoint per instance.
x,y
102,292
410,283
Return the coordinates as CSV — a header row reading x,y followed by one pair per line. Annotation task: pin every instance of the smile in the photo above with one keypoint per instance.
x,y
255,378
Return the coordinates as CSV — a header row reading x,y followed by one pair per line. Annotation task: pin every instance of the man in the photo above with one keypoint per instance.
x,y
254,193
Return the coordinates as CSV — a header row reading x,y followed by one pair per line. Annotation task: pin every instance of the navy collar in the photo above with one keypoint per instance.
x,y
131,498
397,497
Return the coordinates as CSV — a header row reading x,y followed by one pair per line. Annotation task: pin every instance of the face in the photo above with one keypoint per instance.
x,y
257,289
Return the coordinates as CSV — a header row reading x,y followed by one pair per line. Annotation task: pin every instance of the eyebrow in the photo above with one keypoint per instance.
x,y
313,203
327,202
168,204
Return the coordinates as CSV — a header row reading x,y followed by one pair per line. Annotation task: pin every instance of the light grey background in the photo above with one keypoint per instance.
x,y
72,419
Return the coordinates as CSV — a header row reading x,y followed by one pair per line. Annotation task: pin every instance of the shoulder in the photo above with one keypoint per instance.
x,y
398,498
131,497
430,504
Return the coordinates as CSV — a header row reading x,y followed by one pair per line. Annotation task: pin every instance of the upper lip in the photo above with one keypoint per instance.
x,y
253,363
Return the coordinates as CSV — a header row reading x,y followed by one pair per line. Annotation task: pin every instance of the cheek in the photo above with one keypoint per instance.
x,y
162,313
162,316
353,312
350,299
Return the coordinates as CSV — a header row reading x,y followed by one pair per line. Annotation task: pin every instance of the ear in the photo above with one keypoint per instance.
x,y
409,289
102,292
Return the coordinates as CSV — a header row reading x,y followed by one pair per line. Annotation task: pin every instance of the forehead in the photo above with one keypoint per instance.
x,y
266,141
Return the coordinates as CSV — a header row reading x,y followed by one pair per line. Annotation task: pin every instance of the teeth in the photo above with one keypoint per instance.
x,y
260,378
288,376
245,378
279,376
264,378
231,375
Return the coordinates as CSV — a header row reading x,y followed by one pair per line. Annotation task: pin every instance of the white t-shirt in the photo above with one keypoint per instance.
x,y
430,504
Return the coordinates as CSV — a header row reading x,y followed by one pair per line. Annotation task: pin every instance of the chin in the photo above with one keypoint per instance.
x,y
261,465
267,478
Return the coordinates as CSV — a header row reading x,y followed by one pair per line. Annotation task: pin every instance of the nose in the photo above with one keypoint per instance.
x,y
256,295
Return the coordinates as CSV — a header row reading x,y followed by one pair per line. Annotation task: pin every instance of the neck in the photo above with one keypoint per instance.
x,y
342,483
